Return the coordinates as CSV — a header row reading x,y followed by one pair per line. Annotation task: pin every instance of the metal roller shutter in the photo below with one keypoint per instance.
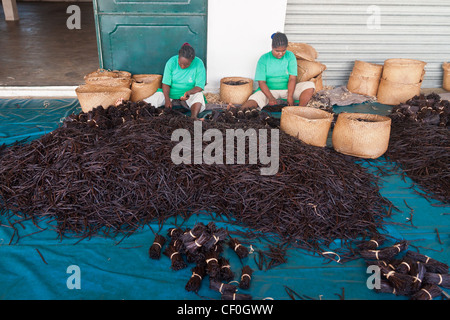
x,y
343,31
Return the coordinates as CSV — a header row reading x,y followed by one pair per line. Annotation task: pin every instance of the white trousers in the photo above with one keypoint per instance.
x,y
157,100
262,100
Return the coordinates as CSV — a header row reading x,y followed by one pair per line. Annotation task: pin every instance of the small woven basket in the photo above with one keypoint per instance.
x,y
232,92
365,78
102,77
361,135
144,85
311,125
92,96
108,73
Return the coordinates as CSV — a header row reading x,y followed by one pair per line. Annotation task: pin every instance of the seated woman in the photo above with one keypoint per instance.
x,y
184,78
276,73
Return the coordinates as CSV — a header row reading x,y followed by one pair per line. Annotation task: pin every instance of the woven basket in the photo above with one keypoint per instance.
x,y
407,71
235,94
102,77
446,77
108,73
144,85
318,82
307,70
365,78
393,93
361,135
303,51
311,125
91,96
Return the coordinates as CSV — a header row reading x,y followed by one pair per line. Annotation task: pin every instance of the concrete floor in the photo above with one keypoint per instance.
x,y
39,49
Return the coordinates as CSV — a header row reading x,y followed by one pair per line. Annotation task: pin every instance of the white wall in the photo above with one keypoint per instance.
x,y
238,34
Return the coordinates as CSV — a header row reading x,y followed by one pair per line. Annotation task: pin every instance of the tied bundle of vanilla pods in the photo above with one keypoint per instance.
x,y
203,245
405,272
110,171
418,144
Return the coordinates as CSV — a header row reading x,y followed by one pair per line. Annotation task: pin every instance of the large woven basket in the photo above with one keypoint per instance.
x,y
306,70
92,96
446,77
393,93
235,93
311,125
303,51
365,78
361,135
102,77
408,71
144,85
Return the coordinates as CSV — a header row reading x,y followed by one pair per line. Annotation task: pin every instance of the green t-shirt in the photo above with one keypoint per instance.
x,y
182,80
275,72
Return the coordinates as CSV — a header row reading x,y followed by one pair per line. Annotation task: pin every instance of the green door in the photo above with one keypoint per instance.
x,y
139,36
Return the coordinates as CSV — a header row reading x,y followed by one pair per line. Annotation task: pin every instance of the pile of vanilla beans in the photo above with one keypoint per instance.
x,y
110,171
419,144
405,272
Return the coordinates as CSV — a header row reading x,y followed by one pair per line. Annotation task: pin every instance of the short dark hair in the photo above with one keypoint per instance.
x,y
186,51
279,40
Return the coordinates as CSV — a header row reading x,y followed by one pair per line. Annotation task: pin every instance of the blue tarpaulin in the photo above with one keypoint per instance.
x,y
36,264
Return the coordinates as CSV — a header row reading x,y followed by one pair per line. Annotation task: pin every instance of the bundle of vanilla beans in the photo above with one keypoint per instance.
x,y
419,144
110,171
405,272
202,245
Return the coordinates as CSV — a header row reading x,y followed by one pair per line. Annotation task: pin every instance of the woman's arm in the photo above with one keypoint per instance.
x,y
291,87
166,92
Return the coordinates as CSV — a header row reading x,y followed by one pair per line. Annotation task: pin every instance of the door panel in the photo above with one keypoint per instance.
x,y
142,41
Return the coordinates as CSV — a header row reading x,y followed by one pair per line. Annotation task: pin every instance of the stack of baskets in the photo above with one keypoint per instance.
x,y
104,87
401,80
308,68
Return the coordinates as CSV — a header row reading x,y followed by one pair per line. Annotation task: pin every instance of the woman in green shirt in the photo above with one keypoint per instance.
x,y
184,78
276,73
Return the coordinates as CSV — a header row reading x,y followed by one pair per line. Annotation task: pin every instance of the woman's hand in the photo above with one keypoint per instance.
x,y
290,101
273,101
188,93
186,96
